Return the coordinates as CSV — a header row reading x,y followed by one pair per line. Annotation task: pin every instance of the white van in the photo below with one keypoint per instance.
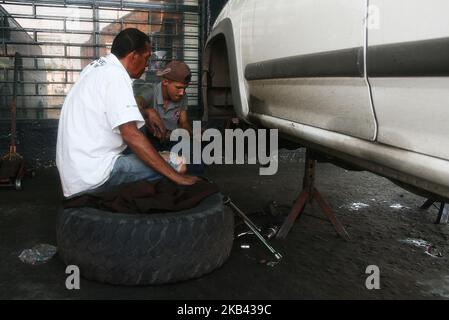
x,y
363,81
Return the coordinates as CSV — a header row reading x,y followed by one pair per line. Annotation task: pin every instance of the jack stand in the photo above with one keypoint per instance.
x,y
307,195
443,211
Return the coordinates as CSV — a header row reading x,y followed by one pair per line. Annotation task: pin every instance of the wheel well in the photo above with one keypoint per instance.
x,y
216,81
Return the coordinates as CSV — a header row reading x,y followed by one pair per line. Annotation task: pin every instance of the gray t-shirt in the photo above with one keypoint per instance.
x,y
152,95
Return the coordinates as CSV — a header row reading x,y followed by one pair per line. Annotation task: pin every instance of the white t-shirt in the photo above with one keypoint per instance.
x,y
89,140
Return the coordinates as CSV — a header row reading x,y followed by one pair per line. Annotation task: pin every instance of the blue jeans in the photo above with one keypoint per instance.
x,y
127,168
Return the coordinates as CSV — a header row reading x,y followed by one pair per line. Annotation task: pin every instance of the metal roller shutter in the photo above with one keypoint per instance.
x,y
58,38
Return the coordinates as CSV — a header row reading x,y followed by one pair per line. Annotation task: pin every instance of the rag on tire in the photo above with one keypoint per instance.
x,y
146,197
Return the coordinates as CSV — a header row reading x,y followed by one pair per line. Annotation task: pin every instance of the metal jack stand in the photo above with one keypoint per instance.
x,y
253,227
443,211
307,195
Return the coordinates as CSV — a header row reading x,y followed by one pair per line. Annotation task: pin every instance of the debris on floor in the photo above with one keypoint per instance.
x,y
39,254
398,206
356,206
262,234
254,250
429,248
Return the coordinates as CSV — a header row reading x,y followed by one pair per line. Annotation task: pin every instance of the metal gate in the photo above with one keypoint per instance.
x,y
56,39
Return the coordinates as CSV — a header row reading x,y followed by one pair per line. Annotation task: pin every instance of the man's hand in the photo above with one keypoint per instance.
x,y
154,123
186,180
152,118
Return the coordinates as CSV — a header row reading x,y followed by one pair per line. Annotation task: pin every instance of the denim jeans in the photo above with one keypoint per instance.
x,y
127,168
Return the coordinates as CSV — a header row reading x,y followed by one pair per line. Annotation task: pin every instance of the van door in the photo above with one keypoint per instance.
x,y
408,68
304,61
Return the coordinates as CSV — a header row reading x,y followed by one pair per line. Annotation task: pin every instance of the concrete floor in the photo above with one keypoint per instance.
x,y
316,265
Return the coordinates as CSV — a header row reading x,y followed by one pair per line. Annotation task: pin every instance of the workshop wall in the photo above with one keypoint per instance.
x,y
36,141
56,40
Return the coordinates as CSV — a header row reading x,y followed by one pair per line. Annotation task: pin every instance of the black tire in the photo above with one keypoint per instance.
x,y
126,249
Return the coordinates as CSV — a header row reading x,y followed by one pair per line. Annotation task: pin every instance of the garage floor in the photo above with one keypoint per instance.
x,y
382,220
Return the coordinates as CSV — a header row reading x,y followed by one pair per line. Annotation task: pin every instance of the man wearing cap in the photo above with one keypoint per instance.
x,y
100,118
169,99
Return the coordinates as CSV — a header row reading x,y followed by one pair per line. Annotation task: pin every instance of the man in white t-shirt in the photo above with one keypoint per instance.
x,y
100,118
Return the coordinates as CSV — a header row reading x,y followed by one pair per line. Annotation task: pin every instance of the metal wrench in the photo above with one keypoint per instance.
x,y
227,201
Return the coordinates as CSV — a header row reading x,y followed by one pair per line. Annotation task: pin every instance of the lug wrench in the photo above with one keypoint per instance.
x,y
227,201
